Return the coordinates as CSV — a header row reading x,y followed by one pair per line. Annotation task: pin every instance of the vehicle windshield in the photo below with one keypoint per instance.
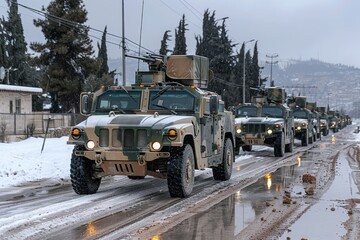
x,y
118,100
250,111
177,100
300,114
272,111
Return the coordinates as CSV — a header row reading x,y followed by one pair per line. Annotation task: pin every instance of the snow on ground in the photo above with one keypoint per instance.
x,y
23,161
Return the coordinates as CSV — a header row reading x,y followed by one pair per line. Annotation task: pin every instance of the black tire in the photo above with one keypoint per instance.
x,y
247,148
224,170
181,172
311,139
289,147
279,146
136,177
305,139
237,150
334,130
82,175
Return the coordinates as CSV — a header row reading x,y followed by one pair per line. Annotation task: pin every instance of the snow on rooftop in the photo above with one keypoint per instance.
x,y
4,87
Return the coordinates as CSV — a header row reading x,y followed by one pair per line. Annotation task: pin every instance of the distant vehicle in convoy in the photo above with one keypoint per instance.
x,y
164,126
333,121
316,119
303,121
242,114
324,121
274,127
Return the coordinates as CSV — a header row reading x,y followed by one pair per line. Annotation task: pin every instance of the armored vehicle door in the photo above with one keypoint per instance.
x,y
211,128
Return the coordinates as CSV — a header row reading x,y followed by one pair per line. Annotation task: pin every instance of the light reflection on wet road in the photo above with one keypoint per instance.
x,y
227,218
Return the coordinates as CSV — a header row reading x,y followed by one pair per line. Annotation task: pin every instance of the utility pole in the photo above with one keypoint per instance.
x,y
123,45
272,62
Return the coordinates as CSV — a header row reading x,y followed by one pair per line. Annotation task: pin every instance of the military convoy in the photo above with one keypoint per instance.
x,y
167,125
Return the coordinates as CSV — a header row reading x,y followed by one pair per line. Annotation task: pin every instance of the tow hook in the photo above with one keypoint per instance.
x,y
98,160
141,160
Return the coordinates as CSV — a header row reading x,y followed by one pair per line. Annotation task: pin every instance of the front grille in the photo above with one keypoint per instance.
x,y
129,138
123,138
104,138
254,128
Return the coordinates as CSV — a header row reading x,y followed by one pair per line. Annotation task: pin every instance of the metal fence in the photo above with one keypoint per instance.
x,y
36,123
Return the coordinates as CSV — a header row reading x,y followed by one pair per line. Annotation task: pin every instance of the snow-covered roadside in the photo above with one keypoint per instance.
x,y
23,161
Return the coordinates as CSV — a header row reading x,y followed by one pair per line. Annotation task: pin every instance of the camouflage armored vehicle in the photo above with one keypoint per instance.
x,y
242,113
316,119
333,121
303,121
324,121
164,126
274,127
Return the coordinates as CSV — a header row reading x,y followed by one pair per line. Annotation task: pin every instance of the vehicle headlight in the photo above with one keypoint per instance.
x,y
90,144
156,145
238,131
269,131
298,128
278,125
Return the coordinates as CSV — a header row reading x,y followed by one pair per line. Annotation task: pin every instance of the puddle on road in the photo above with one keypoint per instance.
x,y
330,209
227,218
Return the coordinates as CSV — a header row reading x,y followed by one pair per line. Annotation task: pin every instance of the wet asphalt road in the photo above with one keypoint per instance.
x,y
143,209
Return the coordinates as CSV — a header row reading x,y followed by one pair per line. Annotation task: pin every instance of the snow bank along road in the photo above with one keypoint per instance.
x,y
139,209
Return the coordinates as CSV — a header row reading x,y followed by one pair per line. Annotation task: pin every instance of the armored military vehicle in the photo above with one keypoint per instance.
x,y
303,121
316,119
165,125
333,121
324,121
242,113
274,127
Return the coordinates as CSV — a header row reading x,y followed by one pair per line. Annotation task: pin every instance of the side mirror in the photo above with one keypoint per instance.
x,y
214,105
85,104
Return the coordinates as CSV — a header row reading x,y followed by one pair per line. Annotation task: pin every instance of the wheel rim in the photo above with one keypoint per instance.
x,y
189,171
228,158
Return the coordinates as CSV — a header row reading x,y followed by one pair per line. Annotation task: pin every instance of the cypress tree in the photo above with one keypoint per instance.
x,y
3,53
16,46
180,39
216,45
67,53
164,45
238,75
102,56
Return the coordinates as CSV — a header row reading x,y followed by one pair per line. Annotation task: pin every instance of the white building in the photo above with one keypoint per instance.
x,y
17,99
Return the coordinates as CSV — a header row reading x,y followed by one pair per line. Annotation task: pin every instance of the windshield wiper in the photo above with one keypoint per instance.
x,y
122,87
160,93
164,107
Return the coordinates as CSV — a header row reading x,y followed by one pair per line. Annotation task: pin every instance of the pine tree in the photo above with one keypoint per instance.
x,y
180,39
16,46
67,53
164,45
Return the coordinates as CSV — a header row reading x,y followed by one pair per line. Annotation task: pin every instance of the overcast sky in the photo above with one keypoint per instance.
x,y
328,30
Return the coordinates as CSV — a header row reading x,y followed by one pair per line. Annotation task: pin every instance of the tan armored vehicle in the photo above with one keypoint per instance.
x,y
303,121
316,119
324,121
274,126
164,126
